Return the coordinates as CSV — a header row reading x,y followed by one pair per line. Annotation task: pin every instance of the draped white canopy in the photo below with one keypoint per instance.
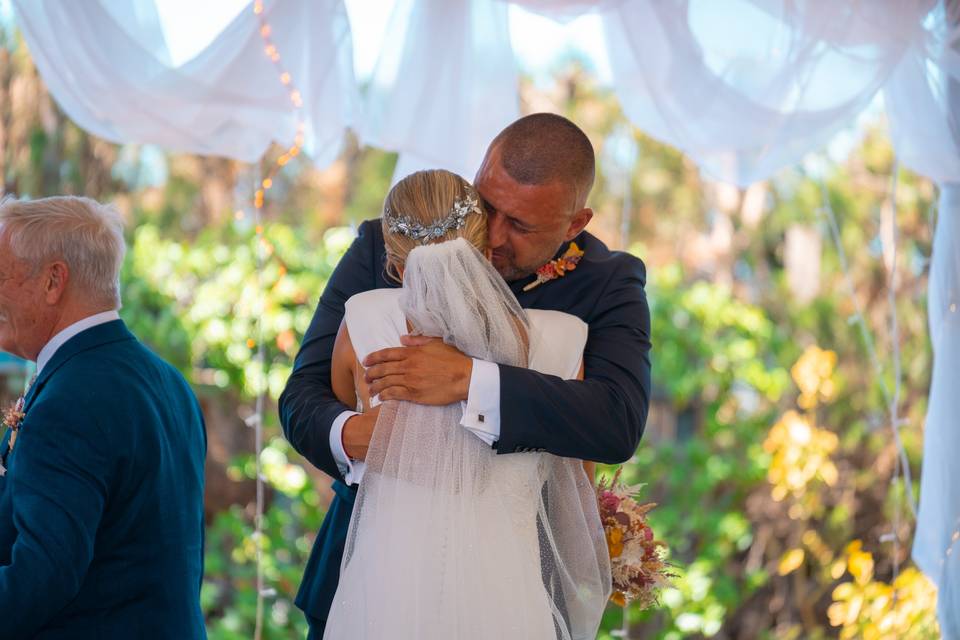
x,y
743,87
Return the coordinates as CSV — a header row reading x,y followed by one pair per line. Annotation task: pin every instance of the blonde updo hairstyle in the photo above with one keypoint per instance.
x,y
426,197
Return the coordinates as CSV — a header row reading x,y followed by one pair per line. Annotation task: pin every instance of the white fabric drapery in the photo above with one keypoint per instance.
x,y
923,103
939,516
444,85
747,88
107,64
744,87
564,10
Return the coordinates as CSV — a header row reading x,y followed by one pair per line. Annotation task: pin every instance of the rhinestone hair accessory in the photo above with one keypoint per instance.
x,y
455,219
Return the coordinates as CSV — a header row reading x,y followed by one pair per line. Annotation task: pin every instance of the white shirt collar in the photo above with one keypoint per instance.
x,y
61,338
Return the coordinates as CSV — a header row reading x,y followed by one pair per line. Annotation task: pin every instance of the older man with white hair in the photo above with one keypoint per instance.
x,y
101,463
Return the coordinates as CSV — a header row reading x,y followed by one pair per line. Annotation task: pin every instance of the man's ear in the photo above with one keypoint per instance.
x,y
578,222
55,279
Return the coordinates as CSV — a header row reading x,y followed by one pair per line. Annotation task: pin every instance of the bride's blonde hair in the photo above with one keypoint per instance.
x,y
427,197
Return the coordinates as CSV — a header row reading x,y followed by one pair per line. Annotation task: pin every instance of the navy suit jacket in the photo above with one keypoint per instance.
x,y
101,507
600,418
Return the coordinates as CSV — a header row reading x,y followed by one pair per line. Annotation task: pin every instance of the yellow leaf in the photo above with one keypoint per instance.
x,y
860,565
843,591
829,473
837,570
791,561
853,611
837,613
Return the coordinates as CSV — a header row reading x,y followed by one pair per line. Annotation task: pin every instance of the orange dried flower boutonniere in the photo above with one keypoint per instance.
x,y
557,268
12,419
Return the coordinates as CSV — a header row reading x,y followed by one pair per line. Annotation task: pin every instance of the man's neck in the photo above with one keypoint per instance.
x,y
73,316
69,326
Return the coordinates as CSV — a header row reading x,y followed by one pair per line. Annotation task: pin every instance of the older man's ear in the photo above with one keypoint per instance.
x,y
55,281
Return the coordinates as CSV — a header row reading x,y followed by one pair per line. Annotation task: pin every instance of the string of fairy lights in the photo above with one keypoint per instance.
x,y
263,249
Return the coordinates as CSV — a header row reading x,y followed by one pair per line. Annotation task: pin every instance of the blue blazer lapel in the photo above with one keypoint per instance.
x,y
113,331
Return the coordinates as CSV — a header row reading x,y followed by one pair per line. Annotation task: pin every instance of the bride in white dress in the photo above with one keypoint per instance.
x,y
448,539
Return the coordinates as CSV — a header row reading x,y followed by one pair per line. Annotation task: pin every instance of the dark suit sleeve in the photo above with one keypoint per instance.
x,y
58,486
602,417
308,405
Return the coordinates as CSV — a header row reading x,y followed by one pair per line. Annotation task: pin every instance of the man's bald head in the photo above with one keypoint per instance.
x,y
543,148
534,183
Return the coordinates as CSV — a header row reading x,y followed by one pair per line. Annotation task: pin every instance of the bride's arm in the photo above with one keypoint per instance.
x,y
350,390
342,368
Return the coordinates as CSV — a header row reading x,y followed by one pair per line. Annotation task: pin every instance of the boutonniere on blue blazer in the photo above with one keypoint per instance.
x,y
12,419
557,268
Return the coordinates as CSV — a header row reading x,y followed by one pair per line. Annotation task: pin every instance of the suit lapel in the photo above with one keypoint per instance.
x,y
113,331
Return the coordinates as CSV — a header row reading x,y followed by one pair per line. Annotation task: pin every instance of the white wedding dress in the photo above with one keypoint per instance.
x,y
449,539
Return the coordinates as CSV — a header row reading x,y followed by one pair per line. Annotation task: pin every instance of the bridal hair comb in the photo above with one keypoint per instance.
x,y
455,219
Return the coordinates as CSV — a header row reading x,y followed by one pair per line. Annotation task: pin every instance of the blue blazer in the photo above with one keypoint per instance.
x,y
101,505
600,418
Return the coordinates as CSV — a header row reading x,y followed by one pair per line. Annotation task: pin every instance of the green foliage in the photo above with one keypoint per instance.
x,y
197,302
229,589
715,357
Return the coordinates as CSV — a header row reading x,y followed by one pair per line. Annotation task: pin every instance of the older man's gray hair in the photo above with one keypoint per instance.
x,y
86,235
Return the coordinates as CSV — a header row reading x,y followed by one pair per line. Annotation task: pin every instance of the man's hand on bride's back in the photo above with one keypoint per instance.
x,y
425,371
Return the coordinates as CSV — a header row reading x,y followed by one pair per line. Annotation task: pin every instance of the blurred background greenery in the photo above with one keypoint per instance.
x,y
768,447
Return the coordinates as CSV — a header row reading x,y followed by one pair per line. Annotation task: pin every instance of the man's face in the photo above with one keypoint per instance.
x,y
527,224
26,319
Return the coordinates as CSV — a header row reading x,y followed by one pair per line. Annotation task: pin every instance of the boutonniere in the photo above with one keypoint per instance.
x,y
12,419
557,268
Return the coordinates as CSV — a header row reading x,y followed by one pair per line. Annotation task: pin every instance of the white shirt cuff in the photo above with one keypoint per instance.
x,y
481,411
351,470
